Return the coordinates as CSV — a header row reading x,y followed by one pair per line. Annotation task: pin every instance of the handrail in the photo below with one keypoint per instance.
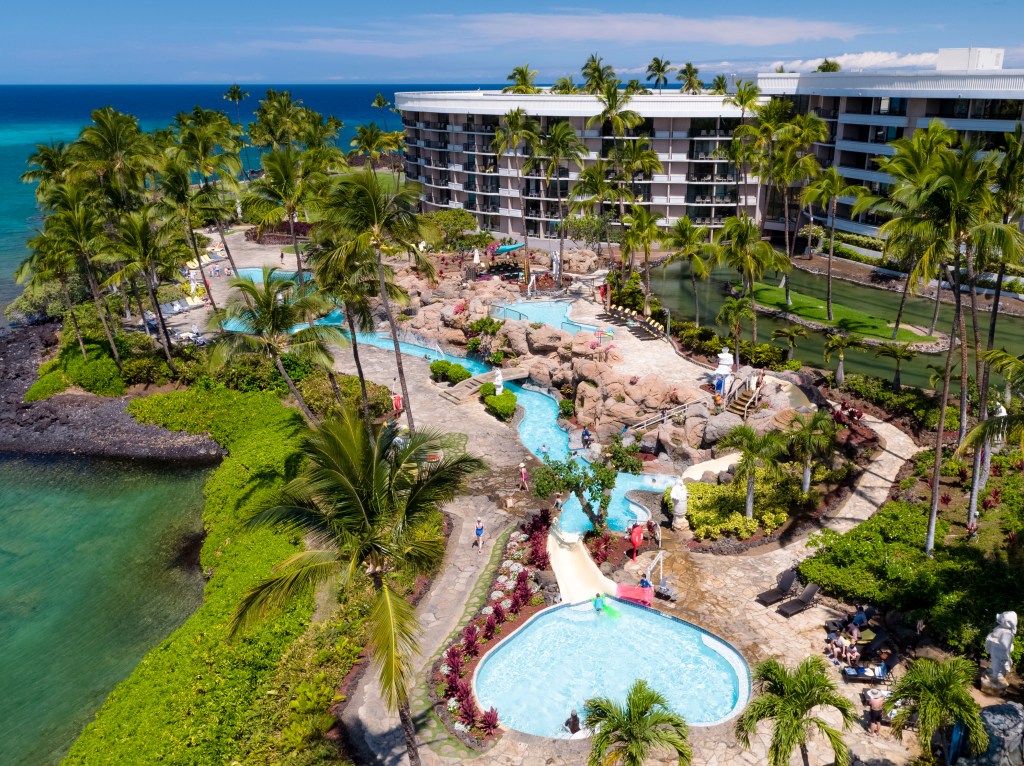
x,y
506,310
662,416
753,396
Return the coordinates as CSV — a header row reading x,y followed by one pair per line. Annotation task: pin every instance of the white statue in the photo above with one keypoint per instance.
x,y
499,382
999,645
680,499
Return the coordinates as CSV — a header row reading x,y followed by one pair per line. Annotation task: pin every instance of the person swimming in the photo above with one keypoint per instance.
x,y
598,602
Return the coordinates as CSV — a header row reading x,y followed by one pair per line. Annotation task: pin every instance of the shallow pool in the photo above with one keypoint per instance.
x,y
621,511
554,313
256,275
569,654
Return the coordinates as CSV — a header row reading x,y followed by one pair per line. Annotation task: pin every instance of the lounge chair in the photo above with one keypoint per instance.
x,y
780,591
800,603
874,674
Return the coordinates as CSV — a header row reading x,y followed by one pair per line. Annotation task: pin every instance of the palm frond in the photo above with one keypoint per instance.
x,y
393,630
295,576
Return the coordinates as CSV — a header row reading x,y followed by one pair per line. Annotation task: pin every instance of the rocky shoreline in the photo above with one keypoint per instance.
x,y
79,423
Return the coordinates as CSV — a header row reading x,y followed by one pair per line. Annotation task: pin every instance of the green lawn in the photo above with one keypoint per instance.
x,y
846,319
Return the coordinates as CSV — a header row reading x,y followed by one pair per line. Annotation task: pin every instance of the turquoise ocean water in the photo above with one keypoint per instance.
x,y
93,574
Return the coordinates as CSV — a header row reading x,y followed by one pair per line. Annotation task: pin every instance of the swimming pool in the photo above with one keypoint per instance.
x,y
554,313
621,511
568,654
256,275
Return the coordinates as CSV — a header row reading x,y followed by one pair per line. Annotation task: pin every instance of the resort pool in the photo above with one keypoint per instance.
x,y
256,275
568,654
554,313
621,512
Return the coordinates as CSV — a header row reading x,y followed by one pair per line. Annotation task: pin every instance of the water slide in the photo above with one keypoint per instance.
x,y
577,574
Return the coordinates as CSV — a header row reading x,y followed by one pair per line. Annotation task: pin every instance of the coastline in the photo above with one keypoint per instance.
x,y
78,423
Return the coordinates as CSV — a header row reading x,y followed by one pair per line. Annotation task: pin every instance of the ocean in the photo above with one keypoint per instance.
x,y
34,114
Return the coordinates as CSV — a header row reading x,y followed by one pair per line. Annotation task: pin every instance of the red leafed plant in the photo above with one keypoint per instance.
x,y
945,499
995,470
455,659
516,603
489,721
462,691
543,561
467,711
471,640
499,612
490,627
451,684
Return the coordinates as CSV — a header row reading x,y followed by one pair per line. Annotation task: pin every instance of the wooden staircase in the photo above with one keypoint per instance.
x,y
738,406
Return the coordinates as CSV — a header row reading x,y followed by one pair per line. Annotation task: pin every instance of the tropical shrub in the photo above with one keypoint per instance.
x,y
714,510
98,376
624,459
439,369
706,342
497,358
145,369
457,373
913,403
502,406
473,345
486,326
487,389
49,384
566,408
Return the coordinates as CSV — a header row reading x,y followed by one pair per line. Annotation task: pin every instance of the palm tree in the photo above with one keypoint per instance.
x,y
634,87
811,438
689,76
825,190
371,142
236,96
49,164
762,136
379,102
789,699
745,97
690,243
637,158
643,233
1005,426
370,500
561,145
386,221
52,260
789,335
658,71
937,694
627,735
757,452
740,247
522,79
733,312
828,65
287,187
347,271
899,353
596,75
565,86
839,343
517,128
116,150
615,112
719,86
262,316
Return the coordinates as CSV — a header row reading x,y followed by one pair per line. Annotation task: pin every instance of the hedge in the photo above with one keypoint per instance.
x,y
921,408
191,698
502,406
714,510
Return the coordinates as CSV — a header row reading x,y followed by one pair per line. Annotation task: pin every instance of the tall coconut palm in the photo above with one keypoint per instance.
x,y
288,186
370,142
517,129
565,86
261,317
50,260
811,439
899,353
596,75
561,145
732,313
689,76
615,113
277,122
937,695
523,80
839,343
627,735
115,149
789,335
150,248
825,191
745,98
757,452
719,86
792,700
791,168
658,71
598,185
762,136
644,232
691,244
370,500
379,102
236,96
361,206
347,271
48,165
637,160
740,247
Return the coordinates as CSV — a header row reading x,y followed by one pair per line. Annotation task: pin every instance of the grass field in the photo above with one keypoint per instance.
x,y
846,319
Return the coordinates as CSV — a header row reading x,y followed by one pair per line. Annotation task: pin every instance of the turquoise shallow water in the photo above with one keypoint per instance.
x,y
570,654
91,578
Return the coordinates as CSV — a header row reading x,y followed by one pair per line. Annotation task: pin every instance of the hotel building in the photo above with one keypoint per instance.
x,y
449,136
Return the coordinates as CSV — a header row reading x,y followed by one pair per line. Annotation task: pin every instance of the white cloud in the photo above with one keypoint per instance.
x,y
865,60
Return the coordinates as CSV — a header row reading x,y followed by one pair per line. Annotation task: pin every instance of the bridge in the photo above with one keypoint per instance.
x,y
467,389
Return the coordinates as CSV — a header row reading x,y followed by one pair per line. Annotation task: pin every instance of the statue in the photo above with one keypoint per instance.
x,y
499,382
680,500
999,645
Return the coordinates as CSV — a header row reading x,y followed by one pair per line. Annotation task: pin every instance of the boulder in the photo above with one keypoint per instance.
x,y
541,369
452,336
693,429
545,339
719,425
512,335
1004,724
649,443
579,261
725,477
709,477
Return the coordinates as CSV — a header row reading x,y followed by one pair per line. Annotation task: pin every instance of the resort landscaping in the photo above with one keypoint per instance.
x,y
420,465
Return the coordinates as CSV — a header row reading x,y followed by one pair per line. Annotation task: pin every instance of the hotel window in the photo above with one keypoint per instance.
x,y
892,106
996,109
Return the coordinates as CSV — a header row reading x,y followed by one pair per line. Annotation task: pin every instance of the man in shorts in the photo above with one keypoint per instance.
x,y
876,711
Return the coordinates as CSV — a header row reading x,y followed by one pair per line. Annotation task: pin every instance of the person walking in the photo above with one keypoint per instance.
x,y
478,536
523,484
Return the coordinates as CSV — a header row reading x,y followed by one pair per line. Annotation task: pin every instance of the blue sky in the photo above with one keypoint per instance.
x,y
114,41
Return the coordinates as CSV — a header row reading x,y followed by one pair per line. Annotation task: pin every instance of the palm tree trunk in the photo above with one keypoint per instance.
x,y
753,309
840,371
409,731
805,484
940,428
138,304
980,477
227,250
938,303
561,232
359,371
750,496
386,302
295,244
291,386
94,288
696,297
831,252
647,281
804,755
162,336
971,283
896,378
74,319
785,229
899,312
964,375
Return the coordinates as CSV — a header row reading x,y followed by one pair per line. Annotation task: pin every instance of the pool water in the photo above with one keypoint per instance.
x,y
554,313
621,512
569,654
256,275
